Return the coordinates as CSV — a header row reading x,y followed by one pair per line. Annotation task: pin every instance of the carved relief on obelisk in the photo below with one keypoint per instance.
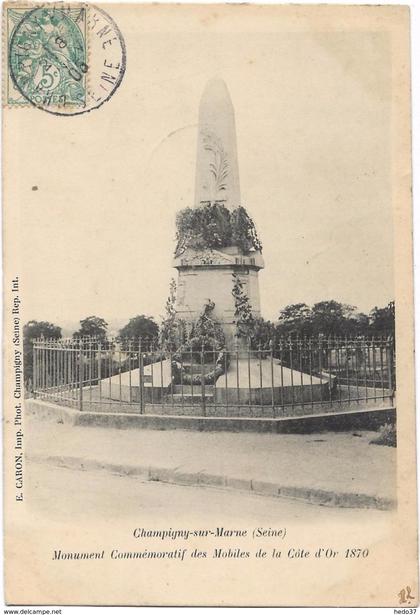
x,y
217,175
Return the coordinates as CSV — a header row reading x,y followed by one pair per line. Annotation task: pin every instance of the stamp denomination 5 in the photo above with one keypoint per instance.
x,y
65,60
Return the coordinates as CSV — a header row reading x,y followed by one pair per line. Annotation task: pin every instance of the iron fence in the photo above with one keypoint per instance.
x,y
289,377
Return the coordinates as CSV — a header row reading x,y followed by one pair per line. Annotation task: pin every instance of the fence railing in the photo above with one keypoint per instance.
x,y
289,377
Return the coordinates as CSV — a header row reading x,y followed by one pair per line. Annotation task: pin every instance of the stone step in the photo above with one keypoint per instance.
x,y
196,368
195,398
187,389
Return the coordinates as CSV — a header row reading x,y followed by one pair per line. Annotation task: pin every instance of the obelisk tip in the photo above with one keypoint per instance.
x,y
216,86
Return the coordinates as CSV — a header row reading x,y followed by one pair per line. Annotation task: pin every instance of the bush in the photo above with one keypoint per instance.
x,y
387,436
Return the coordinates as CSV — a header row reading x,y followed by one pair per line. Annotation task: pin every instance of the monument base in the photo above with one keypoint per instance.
x,y
247,382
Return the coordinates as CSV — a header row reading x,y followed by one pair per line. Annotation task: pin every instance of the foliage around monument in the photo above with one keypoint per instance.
x,y
172,331
244,320
205,347
213,226
206,336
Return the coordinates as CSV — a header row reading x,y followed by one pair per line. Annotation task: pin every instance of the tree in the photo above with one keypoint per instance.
x,y
382,320
33,330
331,318
140,327
264,334
358,324
92,326
324,318
295,319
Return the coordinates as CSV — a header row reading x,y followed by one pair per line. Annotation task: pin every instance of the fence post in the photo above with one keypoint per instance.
x,y
390,367
34,368
203,386
272,378
141,376
80,375
100,372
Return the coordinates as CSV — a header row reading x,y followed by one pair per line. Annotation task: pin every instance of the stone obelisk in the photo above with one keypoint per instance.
x,y
217,174
207,274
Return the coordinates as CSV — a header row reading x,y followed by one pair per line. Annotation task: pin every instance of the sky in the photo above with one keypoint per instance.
x,y
313,120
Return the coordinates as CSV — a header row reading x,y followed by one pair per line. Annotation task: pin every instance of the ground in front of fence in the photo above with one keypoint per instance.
x,y
341,463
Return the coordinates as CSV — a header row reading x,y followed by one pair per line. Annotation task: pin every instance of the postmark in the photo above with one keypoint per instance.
x,y
66,60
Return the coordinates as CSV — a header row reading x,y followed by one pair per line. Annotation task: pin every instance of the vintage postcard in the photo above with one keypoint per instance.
x,y
208,305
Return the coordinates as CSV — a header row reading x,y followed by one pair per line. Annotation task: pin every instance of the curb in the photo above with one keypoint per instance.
x,y
346,420
176,476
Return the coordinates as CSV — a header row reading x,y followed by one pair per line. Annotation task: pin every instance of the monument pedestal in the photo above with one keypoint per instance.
x,y
208,275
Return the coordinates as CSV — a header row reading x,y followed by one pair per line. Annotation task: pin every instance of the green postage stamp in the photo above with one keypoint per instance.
x,y
63,59
47,56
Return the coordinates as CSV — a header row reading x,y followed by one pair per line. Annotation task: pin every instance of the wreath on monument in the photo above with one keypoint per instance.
x,y
213,226
204,347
